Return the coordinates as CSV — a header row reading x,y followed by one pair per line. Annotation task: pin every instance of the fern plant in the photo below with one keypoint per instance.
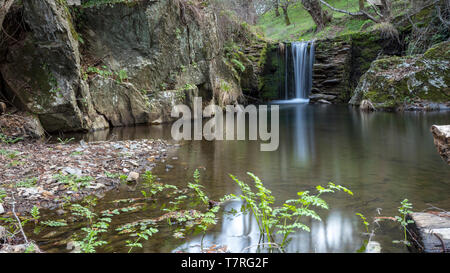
x,y
198,188
90,242
404,209
282,220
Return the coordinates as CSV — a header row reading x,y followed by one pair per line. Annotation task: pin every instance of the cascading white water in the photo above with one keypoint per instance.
x,y
303,60
303,57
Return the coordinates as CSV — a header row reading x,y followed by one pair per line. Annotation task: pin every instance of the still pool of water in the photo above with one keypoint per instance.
x,y
382,157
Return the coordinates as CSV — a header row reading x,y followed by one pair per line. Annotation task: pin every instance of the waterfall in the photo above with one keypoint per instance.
x,y
298,71
303,58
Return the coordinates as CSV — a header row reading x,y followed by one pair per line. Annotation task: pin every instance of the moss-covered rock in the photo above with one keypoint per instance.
x,y
129,48
43,70
273,71
397,83
163,45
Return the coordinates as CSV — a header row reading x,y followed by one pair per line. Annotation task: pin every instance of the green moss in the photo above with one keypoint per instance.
x,y
394,81
273,68
439,51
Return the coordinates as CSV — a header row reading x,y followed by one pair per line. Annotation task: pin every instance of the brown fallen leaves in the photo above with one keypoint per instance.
x,y
28,169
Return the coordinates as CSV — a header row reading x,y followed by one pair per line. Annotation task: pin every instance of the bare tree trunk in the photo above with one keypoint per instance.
x,y
4,8
276,4
249,11
320,16
361,5
386,9
360,13
286,15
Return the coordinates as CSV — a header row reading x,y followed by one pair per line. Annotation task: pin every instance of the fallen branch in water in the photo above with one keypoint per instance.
x,y
385,218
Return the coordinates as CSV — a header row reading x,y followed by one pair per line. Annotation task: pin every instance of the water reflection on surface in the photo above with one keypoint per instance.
x,y
240,234
382,157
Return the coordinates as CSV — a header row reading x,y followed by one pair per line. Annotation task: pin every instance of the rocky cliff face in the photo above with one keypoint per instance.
x,y
331,71
43,70
408,83
116,64
341,61
339,64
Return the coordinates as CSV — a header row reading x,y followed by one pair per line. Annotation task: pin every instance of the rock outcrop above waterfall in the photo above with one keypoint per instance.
x,y
419,82
116,64
341,61
441,136
339,64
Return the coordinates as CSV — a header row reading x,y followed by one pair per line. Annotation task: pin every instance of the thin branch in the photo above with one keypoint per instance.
x,y
442,241
341,10
360,13
13,209
375,9
445,22
417,11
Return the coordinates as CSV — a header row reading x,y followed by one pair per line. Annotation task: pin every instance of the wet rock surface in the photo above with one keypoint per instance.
x,y
46,175
431,231
441,136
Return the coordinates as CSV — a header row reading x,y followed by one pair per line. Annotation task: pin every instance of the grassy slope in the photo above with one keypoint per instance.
x,y
303,27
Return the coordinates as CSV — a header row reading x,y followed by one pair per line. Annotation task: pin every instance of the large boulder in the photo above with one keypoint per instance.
x,y
161,45
21,125
408,83
43,70
112,64
441,136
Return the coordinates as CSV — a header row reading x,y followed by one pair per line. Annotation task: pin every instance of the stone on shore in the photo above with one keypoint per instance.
x,y
441,136
430,231
373,247
22,248
133,177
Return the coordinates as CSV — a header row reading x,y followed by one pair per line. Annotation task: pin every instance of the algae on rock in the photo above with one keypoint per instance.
x,y
408,83
161,47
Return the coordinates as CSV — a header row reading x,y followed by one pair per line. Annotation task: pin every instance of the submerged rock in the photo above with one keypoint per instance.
x,y
419,82
373,247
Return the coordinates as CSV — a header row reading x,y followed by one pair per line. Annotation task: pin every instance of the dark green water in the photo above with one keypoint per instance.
x,y
382,157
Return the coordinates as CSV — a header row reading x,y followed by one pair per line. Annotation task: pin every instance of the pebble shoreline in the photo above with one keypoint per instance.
x,y
39,163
